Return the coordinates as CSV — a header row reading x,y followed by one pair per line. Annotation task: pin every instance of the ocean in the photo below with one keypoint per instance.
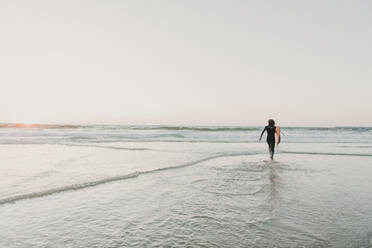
x,y
184,186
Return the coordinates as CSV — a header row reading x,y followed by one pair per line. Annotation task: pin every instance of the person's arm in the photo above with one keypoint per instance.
x,y
262,133
277,131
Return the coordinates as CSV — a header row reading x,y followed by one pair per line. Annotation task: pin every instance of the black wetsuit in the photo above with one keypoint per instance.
x,y
270,138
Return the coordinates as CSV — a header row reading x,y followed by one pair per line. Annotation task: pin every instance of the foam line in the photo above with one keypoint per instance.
x,y
119,148
196,162
84,185
331,153
73,187
111,147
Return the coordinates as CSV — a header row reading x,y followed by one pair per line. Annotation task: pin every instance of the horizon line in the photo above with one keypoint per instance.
x,y
36,125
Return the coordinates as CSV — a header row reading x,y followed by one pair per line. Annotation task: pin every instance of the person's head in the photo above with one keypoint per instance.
x,y
271,122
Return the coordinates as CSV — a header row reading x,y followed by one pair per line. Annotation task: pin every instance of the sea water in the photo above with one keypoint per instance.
x,y
183,186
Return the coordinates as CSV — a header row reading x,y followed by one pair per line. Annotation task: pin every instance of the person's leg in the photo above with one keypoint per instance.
x,y
271,149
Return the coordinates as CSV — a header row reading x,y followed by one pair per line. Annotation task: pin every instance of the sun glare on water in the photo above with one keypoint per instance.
x,y
18,125
25,125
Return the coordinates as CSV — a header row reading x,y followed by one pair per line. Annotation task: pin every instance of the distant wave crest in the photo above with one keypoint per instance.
x,y
179,128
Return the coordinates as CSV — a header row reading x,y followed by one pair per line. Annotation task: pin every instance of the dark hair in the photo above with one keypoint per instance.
x,y
271,122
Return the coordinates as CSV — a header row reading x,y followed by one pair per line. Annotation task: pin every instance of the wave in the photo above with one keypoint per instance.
x,y
91,138
330,153
356,146
111,147
149,127
185,140
239,140
247,128
197,128
172,135
84,185
179,128
73,187
46,126
337,128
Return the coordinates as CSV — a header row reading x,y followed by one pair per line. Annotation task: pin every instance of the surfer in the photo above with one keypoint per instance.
x,y
271,130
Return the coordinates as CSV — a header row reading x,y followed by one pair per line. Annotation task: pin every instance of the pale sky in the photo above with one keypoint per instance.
x,y
190,62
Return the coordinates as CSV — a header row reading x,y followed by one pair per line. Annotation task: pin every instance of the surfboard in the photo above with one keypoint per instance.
x,y
277,132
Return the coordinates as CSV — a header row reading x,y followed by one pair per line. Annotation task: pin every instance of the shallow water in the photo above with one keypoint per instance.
x,y
141,193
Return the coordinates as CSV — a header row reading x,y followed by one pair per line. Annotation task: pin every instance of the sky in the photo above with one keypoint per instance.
x,y
190,62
